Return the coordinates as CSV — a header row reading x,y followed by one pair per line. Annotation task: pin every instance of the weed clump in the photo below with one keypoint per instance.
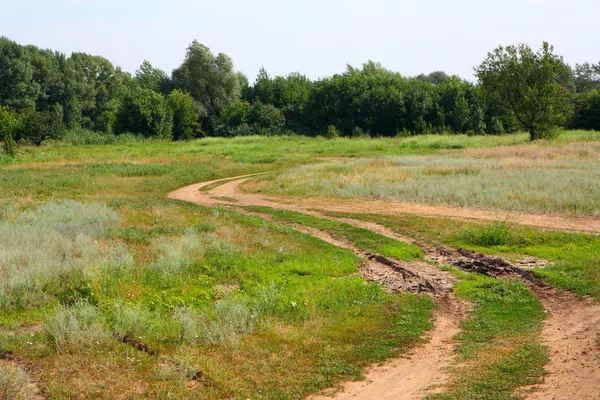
x,y
15,384
54,252
496,234
76,327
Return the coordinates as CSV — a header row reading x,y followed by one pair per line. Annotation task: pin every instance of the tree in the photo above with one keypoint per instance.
x,y
7,124
37,126
587,110
185,117
145,112
152,78
210,80
527,85
18,89
587,77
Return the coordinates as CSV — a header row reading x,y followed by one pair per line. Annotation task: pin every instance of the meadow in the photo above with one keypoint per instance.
x,y
109,289
561,176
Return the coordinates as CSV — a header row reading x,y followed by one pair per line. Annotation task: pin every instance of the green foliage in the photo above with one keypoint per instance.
x,y
495,234
586,77
587,110
267,119
243,119
145,112
210,80
148,77
37,126
19,89
8,121
528,85
332,132
185,116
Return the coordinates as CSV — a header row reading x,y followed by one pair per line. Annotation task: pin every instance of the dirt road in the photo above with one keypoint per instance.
x,y
572,330
229,192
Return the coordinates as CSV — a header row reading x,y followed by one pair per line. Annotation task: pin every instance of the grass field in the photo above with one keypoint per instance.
x,y
110,290
560,176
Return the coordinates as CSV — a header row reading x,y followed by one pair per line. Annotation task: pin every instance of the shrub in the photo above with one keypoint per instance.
x,y
37,126
130,321
8,121
76,327
53,252
495,234
230,318
145,112
185,116
332,132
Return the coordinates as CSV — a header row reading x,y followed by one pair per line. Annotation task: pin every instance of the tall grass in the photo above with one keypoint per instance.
x,y
55,252
77,327
229,319
542,179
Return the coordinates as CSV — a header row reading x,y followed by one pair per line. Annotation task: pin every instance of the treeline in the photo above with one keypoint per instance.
x,y
44,94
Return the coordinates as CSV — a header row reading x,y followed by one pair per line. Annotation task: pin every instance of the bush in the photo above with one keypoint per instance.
x,y
8,121
37,126
130,321
495,234
230,318
145,112
185,116
332,132
76,327
53,252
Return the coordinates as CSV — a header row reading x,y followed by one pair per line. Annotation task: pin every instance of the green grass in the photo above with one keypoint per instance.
x,y
536,178
498,348
252,309
260,310
575,256
363,239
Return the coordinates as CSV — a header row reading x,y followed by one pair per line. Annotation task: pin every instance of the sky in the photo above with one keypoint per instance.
x,y
315,37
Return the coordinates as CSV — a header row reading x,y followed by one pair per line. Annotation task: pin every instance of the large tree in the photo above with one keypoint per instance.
x,y
210,80
528,85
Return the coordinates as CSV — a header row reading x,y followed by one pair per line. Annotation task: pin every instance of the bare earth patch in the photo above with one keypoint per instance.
x,y
571,332
231,190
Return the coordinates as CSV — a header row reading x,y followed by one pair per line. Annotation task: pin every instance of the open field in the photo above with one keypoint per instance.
x,y
110,289
556,177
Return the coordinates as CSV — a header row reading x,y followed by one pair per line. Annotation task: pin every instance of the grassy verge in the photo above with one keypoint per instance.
x,y
363,239
499,347
575,257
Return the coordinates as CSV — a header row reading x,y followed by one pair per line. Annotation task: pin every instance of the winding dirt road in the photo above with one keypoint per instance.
x,y
572,330
229,193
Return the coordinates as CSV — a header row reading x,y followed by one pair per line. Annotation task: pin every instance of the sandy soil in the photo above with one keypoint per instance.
x,y
412,377
572,330
572,334
230,190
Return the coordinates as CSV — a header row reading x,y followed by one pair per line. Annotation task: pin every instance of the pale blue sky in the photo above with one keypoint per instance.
x,y
317,38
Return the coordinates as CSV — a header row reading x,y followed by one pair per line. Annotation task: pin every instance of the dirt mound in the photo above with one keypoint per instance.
x,y
495,267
